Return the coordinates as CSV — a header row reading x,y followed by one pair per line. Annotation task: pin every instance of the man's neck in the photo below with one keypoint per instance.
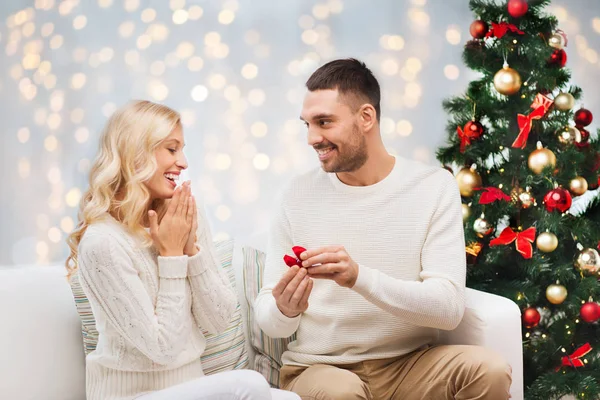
x,y
377,167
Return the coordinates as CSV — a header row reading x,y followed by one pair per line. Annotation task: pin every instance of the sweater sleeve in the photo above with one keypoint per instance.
x,y
268,316
438,300
114,288
213,298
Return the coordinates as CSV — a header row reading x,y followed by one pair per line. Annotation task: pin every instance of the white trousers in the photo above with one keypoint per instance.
x,y
231,385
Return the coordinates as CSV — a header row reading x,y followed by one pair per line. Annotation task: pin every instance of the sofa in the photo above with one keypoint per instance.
x,y
42,357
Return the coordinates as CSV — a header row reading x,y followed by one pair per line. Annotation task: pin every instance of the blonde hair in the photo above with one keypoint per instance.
x,y
124,162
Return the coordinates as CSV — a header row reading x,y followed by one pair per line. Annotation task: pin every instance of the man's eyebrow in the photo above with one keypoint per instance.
x,y
318,116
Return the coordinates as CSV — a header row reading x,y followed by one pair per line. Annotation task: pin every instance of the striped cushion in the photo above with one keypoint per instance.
x,y
224,351
268,351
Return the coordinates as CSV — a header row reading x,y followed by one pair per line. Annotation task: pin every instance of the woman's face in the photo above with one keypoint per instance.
x,y
170,161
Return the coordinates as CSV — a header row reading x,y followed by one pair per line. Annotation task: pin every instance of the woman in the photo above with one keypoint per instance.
x,y
148,266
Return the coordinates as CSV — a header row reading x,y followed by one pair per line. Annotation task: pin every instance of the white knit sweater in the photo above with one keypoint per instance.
x,y
406,234
148,310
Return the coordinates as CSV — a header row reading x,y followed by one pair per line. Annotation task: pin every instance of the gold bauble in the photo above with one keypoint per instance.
x,y
468,179
578,186
466,212
564,101
556,41
556,293
482,227
541,158
546,242
588,262
507,81
569,135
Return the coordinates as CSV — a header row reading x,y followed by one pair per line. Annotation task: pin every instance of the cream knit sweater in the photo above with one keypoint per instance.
x,y
148,310
406,234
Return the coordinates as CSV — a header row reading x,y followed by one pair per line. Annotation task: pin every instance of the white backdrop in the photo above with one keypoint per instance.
x,y
236,71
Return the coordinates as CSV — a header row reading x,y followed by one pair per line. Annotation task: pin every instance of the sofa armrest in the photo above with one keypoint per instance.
x,y
494,322
41,345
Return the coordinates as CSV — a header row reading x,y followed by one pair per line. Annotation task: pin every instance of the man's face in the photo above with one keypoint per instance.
x,y
334,131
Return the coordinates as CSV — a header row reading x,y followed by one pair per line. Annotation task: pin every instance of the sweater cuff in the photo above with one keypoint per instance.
x,y
172,267
199,262
367,278
276,312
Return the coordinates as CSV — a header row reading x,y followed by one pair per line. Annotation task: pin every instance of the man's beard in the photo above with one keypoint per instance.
x,y
353,157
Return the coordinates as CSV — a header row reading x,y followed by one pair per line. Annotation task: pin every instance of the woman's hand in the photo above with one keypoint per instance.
x,y
171,236
190,248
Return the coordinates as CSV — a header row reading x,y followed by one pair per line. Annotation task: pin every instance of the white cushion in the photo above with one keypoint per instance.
x,y
40,336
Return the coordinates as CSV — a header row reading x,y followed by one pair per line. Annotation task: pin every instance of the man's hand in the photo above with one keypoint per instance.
x,y
331,262
292,291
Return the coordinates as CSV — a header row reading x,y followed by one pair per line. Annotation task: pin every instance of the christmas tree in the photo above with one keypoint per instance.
x,y
522,154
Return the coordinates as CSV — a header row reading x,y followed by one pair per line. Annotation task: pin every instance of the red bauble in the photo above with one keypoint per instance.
x,y
558,199
590,312
517,8
558,57
583,117
479,29
531,317
585,135
473,129
585,138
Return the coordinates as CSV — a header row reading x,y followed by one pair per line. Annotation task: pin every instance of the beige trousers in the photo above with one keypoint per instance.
x,y
437,373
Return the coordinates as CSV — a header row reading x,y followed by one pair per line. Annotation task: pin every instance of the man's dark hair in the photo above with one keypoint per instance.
x,y
352,79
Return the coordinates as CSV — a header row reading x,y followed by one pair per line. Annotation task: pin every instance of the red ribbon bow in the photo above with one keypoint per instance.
x,y
573,360
524,240
542,101
541,104
291,261
499,30
465,140
492,194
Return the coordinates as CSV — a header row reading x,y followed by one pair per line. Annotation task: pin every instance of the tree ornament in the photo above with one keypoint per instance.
x,y
517,8
558,58
473,249
557,41
466,212
523,240
507,81
590,312
574,360
569,135
556,293
583,117
585,135
479,29
482,227
472,130
546,242
588,262
531,317
578,186
468,179
541,158
564,101
558,199
521,197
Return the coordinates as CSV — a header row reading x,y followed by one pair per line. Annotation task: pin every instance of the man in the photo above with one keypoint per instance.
x,y
384,268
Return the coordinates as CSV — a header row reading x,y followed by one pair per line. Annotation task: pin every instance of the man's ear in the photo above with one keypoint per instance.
x,y
368,116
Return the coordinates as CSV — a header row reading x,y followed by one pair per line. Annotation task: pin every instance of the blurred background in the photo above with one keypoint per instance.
x,y
236,72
